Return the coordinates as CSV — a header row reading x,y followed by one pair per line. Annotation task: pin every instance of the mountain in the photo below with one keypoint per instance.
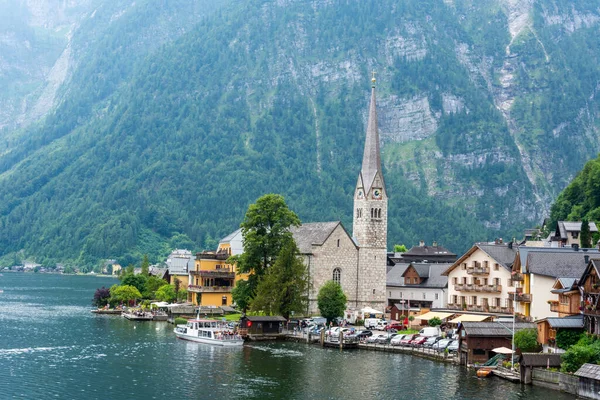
x,y
170,117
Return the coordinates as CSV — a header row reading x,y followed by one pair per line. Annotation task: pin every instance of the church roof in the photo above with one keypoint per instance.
x,y
313,233
371,158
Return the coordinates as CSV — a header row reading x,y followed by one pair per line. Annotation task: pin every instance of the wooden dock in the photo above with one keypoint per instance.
x,y
109,311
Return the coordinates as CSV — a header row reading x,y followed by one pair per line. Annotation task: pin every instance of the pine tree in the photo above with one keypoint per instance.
x,y
585,235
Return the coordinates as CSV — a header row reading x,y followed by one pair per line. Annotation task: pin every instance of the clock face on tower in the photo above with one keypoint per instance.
x,y
377,194
360,194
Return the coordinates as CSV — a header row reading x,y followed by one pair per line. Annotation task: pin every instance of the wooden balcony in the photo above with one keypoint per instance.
x,y
453,306
464,287
518,277
520,297
478,270
217,273
209,289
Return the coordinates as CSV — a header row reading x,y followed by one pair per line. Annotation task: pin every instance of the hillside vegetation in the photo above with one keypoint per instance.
x,y
174,116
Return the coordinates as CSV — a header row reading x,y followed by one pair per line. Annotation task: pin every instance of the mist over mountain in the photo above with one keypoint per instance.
x,y
134,127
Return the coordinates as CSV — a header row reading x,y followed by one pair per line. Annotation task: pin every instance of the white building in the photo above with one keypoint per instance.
x,y
418,285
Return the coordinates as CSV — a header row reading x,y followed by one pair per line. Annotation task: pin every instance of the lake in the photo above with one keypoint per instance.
x,y
52,346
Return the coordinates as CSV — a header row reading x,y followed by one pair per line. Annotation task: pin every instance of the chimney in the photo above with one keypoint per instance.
x,y
510,245
500,240
422,243
434,244
575,246
497,242
587,259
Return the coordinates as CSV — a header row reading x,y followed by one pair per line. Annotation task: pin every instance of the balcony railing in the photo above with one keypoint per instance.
x,y
464,287
453,306
209,289
478,270
521,297
222,273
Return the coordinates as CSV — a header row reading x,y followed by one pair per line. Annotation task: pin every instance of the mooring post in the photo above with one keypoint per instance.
x,y
341,339
323,338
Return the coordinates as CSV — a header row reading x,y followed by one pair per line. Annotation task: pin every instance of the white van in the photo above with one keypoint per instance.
x,y
371,323
430,331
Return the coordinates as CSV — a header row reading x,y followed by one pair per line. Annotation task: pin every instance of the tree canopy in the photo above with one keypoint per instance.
x,y
283,289
331,300
526,340
124,293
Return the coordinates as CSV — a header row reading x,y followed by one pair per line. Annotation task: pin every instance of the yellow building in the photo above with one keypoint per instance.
x,y
212,279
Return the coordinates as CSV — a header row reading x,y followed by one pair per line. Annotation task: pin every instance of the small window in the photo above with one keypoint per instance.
x,y
496,267
373,291
400,294
224,301
337,276
338,242
424,296
455,280
389,294
464,265
437,296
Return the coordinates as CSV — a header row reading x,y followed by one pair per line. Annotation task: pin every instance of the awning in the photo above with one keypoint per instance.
x,y
470,317
369,310
502,350
433,314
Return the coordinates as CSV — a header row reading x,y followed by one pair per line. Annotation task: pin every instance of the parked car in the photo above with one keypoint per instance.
x,y
453,347
375,338
418,341
431,341
363,334
407,339
394,326
386,338
431,331
442,344
396,340
371,323
450,333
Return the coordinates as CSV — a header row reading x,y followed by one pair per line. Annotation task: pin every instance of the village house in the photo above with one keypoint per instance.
x,y
478,339
548,328
567,233
424,254
590,287
535,272
417,285
480,280
569,297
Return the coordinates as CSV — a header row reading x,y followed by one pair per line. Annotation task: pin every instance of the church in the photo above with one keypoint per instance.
x,y
358,262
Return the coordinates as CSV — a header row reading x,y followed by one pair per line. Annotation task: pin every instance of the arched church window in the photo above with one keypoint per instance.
x,y
372,213
337,276
379,213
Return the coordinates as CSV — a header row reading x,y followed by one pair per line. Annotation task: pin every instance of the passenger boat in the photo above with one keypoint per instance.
x,y
208,331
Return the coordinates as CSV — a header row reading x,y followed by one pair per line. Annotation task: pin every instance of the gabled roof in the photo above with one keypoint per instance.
x,y
557,262
232,235
395,275
562,227
595,264
591,371
564,285
431,275
494,328
428,251
503,254
314,233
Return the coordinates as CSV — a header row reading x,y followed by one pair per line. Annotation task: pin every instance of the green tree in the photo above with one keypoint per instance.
x,y
242,295
166,293
585,235
182,295
331,300
399,248
526,340
151,286
265,229
145,265
138,281
435,321
585,351
566,338
284,287
124,293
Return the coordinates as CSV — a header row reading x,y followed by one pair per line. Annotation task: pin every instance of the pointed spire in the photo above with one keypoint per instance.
x,y
371,158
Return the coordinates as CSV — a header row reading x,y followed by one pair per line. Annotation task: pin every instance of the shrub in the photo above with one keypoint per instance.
x,y
435,321
526,340
566,338
180,321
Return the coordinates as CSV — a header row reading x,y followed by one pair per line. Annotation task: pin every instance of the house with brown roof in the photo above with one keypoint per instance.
x,y
590,287
480,279
478,339
426,254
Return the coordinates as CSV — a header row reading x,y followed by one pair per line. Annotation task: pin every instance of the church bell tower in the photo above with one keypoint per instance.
x,y
369,226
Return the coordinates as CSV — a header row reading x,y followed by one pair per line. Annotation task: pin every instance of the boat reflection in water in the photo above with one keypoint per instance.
x,y
208,331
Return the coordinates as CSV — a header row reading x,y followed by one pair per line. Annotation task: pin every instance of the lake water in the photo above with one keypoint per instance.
x,y
51,346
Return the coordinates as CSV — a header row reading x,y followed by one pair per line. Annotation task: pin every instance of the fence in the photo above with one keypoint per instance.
x,y
564,382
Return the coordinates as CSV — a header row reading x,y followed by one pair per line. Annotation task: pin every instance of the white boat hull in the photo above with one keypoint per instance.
x,y
215,342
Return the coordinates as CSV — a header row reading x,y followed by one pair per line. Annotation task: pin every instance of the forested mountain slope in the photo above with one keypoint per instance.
x,y
174,116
